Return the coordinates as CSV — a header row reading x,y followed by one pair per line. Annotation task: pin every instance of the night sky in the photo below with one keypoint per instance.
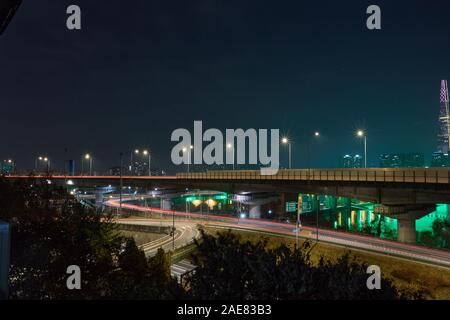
x,y
140,69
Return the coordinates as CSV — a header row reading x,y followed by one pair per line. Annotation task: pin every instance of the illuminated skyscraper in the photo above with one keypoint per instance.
x,y
444,125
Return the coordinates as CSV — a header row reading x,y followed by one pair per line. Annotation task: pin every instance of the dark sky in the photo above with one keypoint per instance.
x,y
140,69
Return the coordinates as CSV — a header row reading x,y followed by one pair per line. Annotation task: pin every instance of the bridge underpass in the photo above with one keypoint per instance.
x,y
406,194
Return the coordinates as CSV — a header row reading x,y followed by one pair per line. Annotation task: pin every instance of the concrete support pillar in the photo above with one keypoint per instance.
x,y
254,211
406,216
448,212
99,199
406,230
313,203
166,204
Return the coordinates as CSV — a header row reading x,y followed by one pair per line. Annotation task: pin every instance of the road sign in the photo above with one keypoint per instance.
x,y
291,206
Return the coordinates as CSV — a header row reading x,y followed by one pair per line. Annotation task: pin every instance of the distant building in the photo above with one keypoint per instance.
x,y
439,159
115,171
444,125
6,167
349,161
71,167
414,160
402,160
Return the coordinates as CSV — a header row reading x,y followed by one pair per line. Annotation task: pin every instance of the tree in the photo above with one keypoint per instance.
x,y
231,269
51,230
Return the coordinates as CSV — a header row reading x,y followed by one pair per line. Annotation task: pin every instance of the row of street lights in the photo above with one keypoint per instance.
x,y
288,142
88,157
144,153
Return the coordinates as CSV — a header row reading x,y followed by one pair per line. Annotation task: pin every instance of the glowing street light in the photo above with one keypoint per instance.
x,y
188,150
309,141
362,134
136,151
147,153
42,159
144,153
230,146
86,157
285,140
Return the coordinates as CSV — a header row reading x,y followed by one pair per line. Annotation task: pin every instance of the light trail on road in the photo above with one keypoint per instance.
x,y
360,242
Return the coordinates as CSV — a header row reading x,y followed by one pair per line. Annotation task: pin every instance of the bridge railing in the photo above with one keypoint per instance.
x,y
413,175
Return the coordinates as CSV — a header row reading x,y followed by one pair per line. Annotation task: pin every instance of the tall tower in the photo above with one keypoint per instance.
x,y
444,123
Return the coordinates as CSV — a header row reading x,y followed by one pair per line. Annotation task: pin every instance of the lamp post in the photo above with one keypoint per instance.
x,y
316,136
87,157
46,160
188,150
144,153
362,134
173,229
135,151
286,140
230,146
12,164
317,217
121,182
147,153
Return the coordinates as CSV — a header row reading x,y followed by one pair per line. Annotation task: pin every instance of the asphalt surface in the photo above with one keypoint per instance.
x,y
187,221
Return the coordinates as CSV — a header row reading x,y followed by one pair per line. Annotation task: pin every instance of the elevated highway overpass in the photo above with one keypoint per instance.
x,y
405,194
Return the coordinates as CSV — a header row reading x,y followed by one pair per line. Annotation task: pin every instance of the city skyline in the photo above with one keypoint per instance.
x,y
172,71
199,152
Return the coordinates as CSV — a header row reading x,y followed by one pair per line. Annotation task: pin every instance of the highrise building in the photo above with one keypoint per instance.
x,y
414,160
439,159
349,161
402,160
444,124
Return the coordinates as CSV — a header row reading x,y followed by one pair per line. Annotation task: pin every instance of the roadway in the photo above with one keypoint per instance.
x,y
185,234
360,242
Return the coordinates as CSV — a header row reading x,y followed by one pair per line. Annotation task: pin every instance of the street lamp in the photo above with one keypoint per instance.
x,y
362,134
89,157
285,140
147,153
188,150
42,159
316,135
12,165
121,182
230,146
136,151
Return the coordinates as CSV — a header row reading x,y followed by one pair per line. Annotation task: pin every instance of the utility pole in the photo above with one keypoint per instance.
x,y
121,183
173,229
317,217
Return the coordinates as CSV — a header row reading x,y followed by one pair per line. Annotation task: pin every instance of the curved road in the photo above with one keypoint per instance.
x,y
361,242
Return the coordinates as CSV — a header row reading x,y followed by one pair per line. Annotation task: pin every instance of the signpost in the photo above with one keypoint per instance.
x,y
4,259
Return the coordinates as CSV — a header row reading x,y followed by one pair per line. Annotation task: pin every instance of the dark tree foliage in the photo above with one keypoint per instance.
x,y
51,230
441,232
231,269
